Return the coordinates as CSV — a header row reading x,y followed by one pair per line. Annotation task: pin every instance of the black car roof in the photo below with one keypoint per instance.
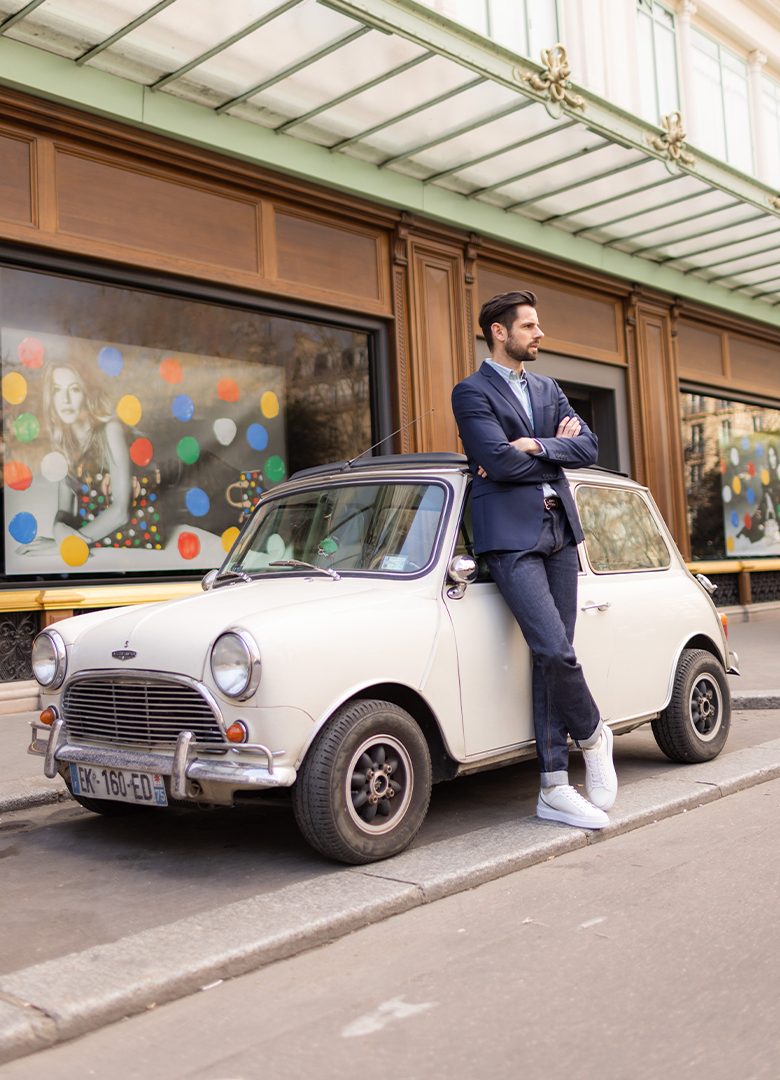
x,y
384,461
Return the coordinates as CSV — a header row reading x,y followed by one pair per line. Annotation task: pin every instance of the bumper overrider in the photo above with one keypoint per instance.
x,y
193,771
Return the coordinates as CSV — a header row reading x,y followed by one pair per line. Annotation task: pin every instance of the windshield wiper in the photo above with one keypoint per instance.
x,y
308,566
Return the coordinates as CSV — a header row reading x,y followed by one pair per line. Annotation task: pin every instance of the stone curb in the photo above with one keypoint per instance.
x,y
63,998
747,700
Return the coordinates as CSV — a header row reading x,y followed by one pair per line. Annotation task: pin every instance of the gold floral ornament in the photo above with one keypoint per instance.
x,y
774,202
554,80
672,143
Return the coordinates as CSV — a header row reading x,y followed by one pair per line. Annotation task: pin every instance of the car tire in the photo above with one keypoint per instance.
x,y
363,789
695,724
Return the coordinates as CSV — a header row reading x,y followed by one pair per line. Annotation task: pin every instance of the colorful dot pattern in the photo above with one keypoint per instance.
x,y
250,432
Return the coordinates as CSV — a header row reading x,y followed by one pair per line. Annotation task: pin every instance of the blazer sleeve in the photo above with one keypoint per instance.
x,y
485,441
570,453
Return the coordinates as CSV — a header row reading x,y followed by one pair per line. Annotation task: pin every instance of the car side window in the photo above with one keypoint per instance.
x,y
621,532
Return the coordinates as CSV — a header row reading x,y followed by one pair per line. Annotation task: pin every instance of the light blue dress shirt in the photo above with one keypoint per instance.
x,y
518,384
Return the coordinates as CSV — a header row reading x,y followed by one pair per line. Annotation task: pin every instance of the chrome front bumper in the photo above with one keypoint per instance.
x,y
191,769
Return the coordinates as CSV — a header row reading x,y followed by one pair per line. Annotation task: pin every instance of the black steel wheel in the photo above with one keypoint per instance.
x,y
695,724
363,789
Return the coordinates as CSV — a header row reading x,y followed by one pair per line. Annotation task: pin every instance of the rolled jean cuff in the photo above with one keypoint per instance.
x,y
590,742
554,779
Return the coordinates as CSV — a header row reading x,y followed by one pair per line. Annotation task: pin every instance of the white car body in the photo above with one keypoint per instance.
x,y
450,655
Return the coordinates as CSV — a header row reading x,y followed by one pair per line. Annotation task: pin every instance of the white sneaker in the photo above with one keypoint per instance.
x,y
600,777
563,803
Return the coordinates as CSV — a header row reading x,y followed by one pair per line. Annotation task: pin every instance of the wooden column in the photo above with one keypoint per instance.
x,y
440,339
654,403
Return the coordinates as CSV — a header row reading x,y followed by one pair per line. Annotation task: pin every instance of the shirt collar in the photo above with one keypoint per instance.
x,y
508,373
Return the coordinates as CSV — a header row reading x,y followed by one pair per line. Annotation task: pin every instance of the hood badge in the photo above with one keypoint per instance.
x,y
125,653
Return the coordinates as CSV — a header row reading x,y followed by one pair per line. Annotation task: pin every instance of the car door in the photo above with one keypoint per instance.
x,y
494,663
627,635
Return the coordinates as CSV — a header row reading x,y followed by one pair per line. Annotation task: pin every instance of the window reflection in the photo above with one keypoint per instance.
x,y
620,531
732,478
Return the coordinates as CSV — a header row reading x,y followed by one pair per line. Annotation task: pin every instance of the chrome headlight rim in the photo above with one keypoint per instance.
x,y
253,664
60,659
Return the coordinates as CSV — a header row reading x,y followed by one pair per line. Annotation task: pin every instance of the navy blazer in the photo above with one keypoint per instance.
x,y
508,505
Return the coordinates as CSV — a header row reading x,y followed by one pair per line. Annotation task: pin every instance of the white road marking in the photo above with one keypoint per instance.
x,y
384,1014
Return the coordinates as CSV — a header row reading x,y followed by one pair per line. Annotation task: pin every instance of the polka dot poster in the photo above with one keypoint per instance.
x,y
750,494
184,446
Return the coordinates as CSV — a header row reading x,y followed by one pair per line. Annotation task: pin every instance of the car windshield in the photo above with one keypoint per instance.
x,y
378,527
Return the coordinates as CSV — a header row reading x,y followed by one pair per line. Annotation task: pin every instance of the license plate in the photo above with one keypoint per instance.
x,y
119,785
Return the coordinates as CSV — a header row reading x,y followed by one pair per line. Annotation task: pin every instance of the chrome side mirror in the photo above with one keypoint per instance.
x,y
706,584
208,580
462,570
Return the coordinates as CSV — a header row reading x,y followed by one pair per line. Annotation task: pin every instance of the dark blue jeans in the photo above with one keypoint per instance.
x,y
540,587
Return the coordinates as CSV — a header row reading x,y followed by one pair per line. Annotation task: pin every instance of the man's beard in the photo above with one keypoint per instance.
x,y
517,352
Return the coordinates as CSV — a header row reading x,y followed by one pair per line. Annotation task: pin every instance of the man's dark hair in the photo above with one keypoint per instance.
x,y
501,309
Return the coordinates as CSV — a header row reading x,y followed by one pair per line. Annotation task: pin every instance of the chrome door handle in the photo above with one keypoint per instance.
x,y
596,607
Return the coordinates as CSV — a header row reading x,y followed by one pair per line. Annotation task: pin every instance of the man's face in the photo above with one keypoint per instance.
x,y
521,340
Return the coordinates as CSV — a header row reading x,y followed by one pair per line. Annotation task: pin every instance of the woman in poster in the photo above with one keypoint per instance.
x,y
93,444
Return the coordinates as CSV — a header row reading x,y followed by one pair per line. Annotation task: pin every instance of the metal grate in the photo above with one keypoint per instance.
x,y
144,711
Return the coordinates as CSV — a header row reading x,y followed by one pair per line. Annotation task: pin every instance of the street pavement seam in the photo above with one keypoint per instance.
x,y
69,996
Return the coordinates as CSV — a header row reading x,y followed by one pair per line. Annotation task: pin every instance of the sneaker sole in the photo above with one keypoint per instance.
x,y
549,813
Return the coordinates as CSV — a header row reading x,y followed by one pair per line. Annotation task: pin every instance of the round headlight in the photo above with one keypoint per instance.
x,y
49,659
235,664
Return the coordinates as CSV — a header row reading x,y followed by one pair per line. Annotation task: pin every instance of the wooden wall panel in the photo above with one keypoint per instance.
x,y
440,352
16,202
755,363
700,351
654,394
574,321
335,258
114,203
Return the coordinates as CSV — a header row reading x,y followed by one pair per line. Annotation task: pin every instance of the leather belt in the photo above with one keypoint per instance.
x,y
552,502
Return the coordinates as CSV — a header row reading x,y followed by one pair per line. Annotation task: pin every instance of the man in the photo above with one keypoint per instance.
x,y
519,432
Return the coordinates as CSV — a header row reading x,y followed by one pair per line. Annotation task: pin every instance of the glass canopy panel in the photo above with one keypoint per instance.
x,y
407,93
676,207
651,187
472,106
596,160
517,144
751,226
681,226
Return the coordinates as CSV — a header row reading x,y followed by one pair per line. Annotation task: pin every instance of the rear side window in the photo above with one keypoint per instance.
x,y
621,533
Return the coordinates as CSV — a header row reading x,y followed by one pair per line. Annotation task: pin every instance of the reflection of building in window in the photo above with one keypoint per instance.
x,y
620,532
709,425
328,396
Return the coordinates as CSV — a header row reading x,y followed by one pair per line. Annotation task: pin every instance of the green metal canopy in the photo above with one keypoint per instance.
x,y
405,94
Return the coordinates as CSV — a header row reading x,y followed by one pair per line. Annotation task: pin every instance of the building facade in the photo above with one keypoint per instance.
x,y
238,242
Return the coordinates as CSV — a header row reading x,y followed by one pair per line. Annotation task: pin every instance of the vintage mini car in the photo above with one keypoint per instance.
x,y
352,649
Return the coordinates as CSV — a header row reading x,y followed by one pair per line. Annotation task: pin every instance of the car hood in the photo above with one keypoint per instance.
x,y
177,635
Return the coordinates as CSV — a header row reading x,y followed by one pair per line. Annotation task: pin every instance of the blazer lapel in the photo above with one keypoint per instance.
x,y
499,383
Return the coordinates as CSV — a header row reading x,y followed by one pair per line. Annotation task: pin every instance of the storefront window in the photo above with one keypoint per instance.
x,y
139,429
732,477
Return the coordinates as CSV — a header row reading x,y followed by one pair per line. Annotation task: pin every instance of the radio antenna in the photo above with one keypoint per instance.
x,y
403,427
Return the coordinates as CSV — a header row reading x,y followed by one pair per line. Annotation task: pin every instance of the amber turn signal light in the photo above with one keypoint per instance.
x,y
724,621
237,732
48,716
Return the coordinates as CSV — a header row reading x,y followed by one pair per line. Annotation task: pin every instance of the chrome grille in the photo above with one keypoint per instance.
x,y
141,710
